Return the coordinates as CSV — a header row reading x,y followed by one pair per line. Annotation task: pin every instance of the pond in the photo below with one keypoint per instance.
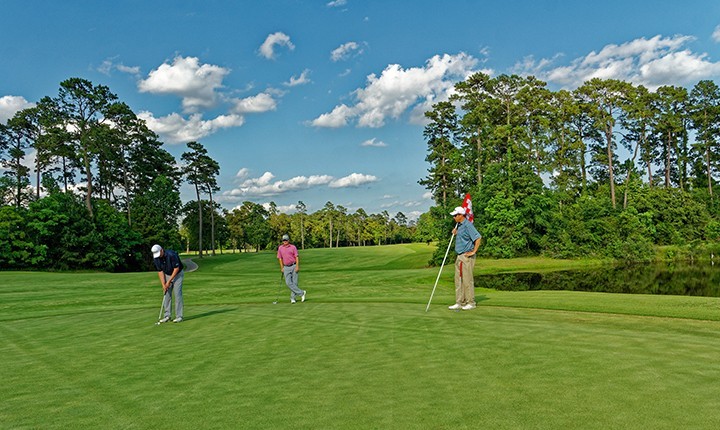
x,y
699,279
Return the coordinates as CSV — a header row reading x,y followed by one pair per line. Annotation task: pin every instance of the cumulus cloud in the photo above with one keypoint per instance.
x,y
298,80
175,128
185,77
374,142
716,34
345,51
109,65
650,62
259,103
10,105
397,90
267,49
243,173
133,70
353,180
266,185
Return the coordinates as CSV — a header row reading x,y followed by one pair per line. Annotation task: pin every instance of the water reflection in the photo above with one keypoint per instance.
x,y
672,279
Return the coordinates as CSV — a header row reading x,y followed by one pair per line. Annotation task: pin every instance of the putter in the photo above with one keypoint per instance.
x,y
172,284
161,310
277,297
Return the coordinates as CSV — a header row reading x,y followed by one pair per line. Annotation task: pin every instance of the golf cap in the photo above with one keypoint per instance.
x,y
156,250
286,237
458,211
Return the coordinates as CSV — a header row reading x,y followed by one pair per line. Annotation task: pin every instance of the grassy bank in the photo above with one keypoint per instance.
x,y
81,350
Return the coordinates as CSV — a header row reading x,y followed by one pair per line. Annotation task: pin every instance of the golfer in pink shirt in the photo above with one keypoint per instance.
x,y
290,266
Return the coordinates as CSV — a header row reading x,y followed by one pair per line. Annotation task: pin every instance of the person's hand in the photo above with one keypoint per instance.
x,y
454,231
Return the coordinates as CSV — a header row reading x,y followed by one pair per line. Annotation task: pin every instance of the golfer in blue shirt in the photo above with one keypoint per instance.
x,y
466,246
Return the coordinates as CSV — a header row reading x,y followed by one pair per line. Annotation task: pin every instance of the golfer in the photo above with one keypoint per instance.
x,y
171,274
466,246
290,266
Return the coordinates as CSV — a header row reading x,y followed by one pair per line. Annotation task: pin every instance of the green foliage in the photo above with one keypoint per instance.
x,y
154,215
16,248
60,225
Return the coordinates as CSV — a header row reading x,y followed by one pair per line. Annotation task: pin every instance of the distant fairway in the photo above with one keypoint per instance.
x,y
81,351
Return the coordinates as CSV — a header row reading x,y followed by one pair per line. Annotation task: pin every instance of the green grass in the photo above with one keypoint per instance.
x,y
81,351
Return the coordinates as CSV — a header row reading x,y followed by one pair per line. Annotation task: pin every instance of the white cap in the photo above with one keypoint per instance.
x,y
156,250
285,237
458,211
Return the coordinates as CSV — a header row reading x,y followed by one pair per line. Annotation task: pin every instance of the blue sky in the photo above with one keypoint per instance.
x,y
320,101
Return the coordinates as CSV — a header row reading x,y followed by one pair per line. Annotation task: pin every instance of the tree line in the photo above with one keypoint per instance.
x,y
548,173
87,185
253,227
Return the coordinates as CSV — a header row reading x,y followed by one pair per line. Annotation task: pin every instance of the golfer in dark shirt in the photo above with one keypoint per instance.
x,y
171,274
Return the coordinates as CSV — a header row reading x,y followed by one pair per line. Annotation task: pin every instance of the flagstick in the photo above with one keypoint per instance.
x,y
440,272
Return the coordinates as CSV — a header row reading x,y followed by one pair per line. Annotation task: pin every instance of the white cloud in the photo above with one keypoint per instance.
x,y
651,62
283,209
353,180
10,105
243,173
133,70
266,185
374,142
299,80
174,128
337,118
345,51
108,65
337,3
259,103
396,90
267,49
196,83
716,34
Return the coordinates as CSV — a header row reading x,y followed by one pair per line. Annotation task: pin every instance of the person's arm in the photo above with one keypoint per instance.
x,y
172,277
297,263
281,264
161,275
475,248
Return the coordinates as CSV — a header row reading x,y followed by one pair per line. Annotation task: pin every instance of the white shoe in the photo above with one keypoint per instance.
x,y
468,307
455,307
164,320
177,320
302,299
292,301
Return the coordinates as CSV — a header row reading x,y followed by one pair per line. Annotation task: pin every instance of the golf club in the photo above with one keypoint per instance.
x,y
161,310
162,303
278,291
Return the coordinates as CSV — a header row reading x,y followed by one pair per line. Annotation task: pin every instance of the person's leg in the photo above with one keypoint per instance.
x,y
291,282
468,282
178,294
458,280
167,301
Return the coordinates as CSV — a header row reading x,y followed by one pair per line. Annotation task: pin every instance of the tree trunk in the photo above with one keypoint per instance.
x,y
212,223
627,180
200,223
608,137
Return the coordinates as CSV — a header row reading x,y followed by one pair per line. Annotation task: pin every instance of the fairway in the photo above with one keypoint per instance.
x,y
81,351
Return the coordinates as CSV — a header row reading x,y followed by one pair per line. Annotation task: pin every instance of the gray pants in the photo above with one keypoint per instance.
x,y
291,279
175,289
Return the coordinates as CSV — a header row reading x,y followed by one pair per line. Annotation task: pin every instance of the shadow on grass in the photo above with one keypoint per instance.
x,y
209,313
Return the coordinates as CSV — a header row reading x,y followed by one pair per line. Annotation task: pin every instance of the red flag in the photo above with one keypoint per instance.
x,y
467,205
